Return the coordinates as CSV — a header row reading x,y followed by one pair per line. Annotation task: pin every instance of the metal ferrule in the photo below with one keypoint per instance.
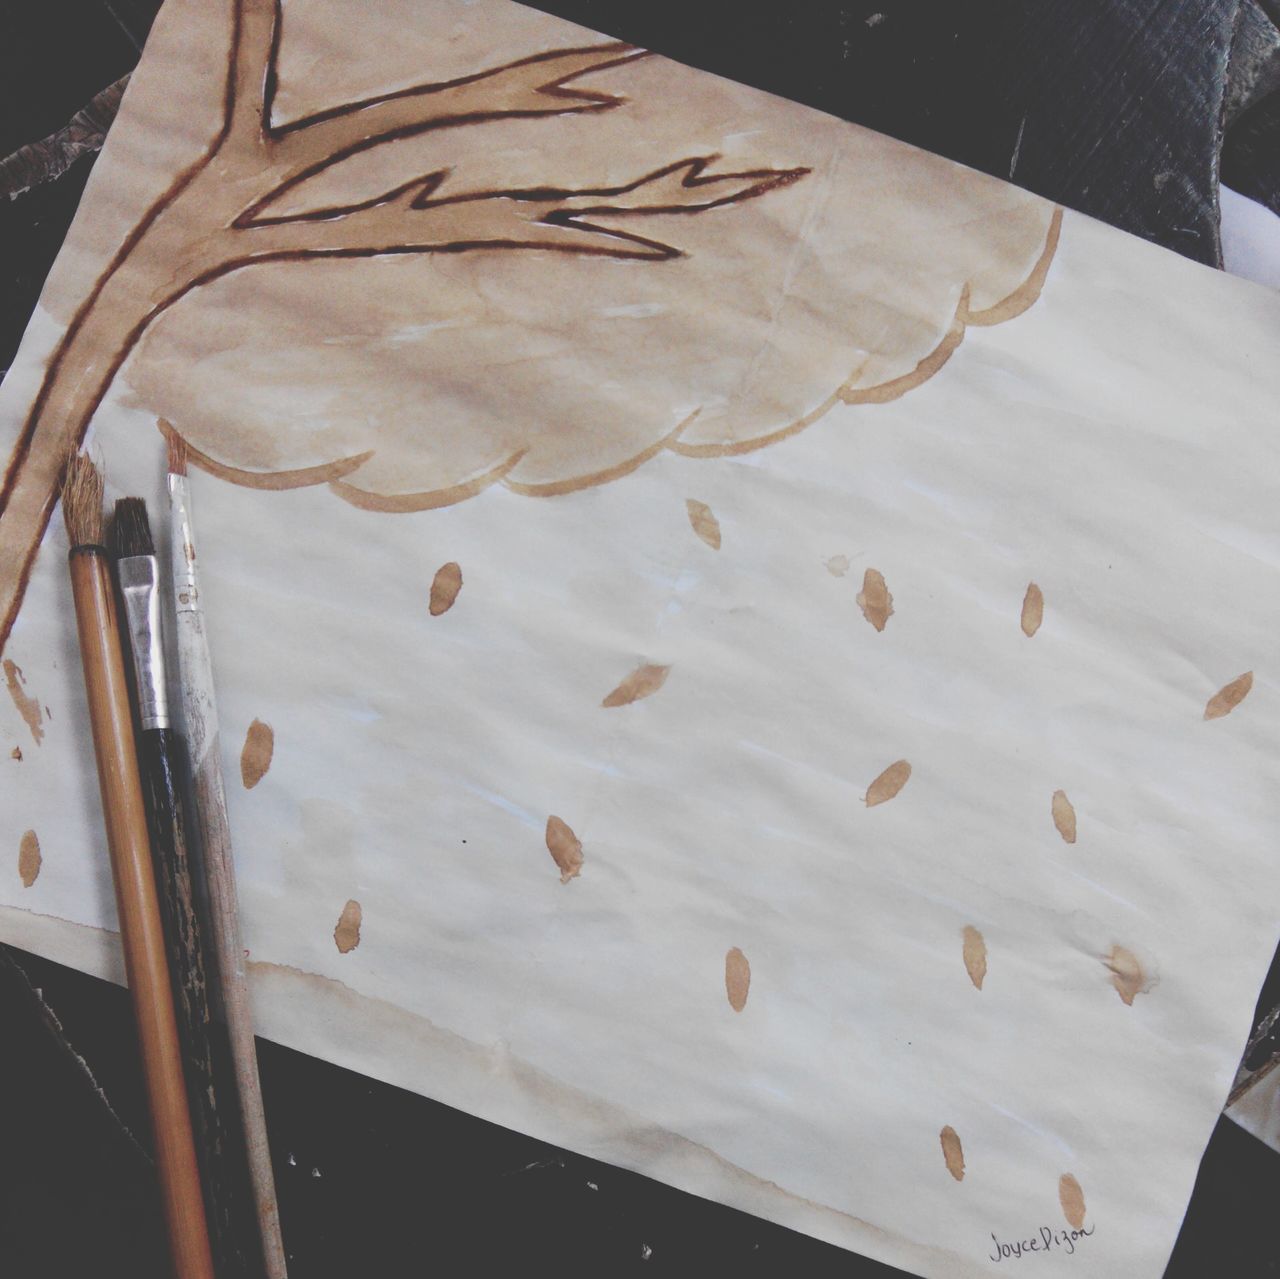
x,y
186,589
139,579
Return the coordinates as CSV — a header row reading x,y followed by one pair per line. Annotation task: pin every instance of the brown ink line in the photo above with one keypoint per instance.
x,y
240,67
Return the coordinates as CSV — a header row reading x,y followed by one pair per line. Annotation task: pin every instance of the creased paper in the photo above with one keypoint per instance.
x,y
744,649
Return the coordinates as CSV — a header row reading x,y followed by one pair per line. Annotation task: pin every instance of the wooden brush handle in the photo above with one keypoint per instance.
x,y
202,1031
141,930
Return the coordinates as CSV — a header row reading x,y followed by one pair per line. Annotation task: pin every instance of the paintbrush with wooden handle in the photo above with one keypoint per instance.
x,y
200,715
141,930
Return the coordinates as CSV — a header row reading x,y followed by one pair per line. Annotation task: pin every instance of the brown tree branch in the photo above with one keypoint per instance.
x,y
251,73
534,86
410,218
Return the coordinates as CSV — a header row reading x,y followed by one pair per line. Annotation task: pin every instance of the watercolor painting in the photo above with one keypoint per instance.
x,y
236,207
806,803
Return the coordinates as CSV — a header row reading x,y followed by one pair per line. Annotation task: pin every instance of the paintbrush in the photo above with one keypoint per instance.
x,y
141,930
210,1082
200,714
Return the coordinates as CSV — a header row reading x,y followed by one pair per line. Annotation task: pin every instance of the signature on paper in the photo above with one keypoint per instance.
x,y
1047,1240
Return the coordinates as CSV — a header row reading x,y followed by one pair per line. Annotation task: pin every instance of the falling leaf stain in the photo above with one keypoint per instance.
x,y
255,758
565,848
644,681
703,522
1032,610
737,978
346,935
874,599
975,955
444,588
1064,816
28,707
29,859
838,565
1228,697
1127,975
1071,1197
952,1152
888,784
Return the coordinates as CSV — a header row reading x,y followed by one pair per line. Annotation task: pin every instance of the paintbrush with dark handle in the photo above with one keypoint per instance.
x,y
211,1089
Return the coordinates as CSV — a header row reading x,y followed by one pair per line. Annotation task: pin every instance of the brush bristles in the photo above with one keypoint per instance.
x,y
130,529
82,501
177,453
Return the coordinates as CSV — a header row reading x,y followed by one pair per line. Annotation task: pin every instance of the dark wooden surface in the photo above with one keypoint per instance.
x,y
1113,108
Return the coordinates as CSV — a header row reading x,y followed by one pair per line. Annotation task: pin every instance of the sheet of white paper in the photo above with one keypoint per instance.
x,y
962,1017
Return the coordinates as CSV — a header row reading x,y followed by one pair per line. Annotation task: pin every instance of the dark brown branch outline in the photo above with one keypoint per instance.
x,y
248,144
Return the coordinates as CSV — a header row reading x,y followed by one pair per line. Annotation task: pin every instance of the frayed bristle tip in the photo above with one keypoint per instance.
x,y
82,501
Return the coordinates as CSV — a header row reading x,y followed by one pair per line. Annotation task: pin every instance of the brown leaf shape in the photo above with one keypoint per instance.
x,y
444,588
346,935
952,1152
874,599
29,859
644,681
255,757
1071,1197
737,979
889,783
1064,816
1032,610
703,522
1127,975
565,847
1229,696
975,955
28,707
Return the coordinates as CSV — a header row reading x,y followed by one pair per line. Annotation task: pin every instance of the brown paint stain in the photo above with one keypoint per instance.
x,y
346,935
888,784
1064,816
874,599
1223,702
952,1152
444,588
975,955
16,753
565,847
255,758
838,565
1071,1197
409,1037
1127,975
644,681
737,979
29,859
1032,610
703,522
28,707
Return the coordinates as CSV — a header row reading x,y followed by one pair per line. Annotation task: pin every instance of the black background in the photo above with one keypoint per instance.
x,y
1112,108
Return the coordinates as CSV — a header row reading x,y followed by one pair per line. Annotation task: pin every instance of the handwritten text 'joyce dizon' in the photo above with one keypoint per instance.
x,y
1047,1240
